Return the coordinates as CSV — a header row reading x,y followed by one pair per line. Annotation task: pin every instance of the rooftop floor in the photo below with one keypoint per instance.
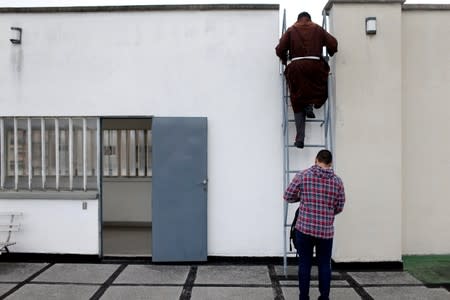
x,y
148,281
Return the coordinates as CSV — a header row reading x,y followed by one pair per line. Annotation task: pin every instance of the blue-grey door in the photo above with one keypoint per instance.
x,y
179,189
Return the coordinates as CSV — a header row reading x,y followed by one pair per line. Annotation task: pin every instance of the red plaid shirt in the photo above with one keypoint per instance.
x,y
321,195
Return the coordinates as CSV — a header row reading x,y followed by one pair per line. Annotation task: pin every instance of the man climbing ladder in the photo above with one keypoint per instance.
x,y
307,72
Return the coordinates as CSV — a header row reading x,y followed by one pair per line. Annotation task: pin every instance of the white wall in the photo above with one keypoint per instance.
x,y
426,124
216,64
368,141
55,226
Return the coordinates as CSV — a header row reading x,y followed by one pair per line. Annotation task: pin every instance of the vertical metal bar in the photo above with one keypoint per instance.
x,y
138,152
2,153
98,153
16,157
108,140
128,173
145,152
30,166
56,154
84,155
119,152
70,154
43,162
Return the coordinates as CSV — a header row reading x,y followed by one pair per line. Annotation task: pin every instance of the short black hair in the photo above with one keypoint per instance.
x,y
324,156
304,15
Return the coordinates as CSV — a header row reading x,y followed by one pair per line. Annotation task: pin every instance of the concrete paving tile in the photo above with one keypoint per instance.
x,y
236,274
232,293
151,274
54,292
18,272
291,293
5,287
142,292
408,293
293,271
77,273
339,283
384,278
233,274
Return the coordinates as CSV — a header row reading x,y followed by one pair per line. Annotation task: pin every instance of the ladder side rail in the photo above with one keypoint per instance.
x,y
285,149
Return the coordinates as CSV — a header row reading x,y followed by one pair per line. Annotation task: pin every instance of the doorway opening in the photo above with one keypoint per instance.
x,y
127,187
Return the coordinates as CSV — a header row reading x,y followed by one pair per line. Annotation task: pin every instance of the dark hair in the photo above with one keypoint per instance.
x,y
324,156
304,15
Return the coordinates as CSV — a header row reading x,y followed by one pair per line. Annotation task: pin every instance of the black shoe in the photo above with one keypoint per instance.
x,y
299,144
310,114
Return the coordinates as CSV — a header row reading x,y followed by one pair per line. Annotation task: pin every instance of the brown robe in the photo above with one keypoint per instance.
x,y
307,79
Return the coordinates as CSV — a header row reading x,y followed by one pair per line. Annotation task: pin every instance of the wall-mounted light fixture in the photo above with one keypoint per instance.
x,y
371,25
17,35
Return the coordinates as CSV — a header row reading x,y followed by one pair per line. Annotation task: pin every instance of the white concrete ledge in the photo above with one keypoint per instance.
x,y
330,3
42,195
426,7
195,7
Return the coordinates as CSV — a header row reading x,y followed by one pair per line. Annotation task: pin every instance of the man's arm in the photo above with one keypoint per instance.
x,y
330,43
340,199
292,192
283,47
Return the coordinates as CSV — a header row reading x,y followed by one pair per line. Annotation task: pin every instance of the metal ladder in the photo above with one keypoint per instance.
x,y
324,120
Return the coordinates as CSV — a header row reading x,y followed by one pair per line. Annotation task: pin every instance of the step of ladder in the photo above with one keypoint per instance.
x,y
309,120
308,146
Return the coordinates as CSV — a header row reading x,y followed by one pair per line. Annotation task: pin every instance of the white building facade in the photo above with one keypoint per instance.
x,y
98,78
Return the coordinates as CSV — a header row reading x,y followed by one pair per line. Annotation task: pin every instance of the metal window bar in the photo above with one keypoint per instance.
x,y
98,153
70,154
57,154
2,154
84,155
145,153
30,165
43,162
16,157
128,173
328,141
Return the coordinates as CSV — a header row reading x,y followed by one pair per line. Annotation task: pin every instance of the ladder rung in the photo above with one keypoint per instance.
x,y
308,146
293,172
310,120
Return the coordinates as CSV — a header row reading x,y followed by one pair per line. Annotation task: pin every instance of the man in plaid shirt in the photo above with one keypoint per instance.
x,y
321,196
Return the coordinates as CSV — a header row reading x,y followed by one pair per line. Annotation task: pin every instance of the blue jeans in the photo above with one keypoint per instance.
x,y
305,245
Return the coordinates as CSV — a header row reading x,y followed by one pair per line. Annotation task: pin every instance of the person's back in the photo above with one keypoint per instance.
x,y
321,196
319,190
307,73
306,38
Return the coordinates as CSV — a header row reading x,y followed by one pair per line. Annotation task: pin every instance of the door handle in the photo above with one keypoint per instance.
x,y
205,182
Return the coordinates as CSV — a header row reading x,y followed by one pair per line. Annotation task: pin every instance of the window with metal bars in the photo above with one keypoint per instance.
x,y
127,153
49,153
